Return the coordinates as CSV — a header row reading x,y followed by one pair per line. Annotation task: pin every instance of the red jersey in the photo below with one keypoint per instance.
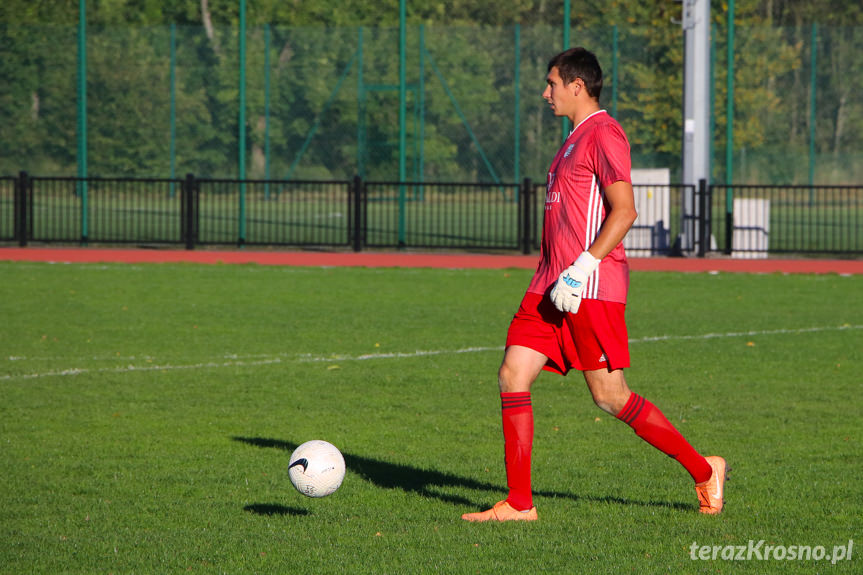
x,y
594,156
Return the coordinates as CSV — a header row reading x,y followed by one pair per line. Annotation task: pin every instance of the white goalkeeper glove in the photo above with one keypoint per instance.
x,y
566,293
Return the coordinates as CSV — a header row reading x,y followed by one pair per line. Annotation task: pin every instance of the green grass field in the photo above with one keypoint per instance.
x,y
148,412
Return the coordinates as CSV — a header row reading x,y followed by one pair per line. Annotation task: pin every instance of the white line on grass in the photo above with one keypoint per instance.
x,y
131,368
745,333
236,360
706,336
395,355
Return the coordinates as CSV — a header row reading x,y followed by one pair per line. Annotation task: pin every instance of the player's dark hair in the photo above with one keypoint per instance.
x,y
579,63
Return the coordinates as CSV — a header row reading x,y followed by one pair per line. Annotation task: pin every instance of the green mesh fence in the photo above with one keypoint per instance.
x,y
323,103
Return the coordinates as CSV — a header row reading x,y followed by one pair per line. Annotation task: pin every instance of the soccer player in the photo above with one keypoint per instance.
x,y
572,316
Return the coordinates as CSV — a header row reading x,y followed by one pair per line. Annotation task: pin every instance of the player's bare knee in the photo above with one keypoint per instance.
x,y
510,380
604,403
609,390
505,378
610,401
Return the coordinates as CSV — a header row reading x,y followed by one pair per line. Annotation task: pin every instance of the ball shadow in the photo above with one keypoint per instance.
x,y
270,509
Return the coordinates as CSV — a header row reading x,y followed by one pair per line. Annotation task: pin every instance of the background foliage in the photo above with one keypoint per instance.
x,y
462,89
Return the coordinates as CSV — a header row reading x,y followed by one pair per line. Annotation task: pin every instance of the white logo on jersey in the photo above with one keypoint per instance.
x,y
551,197
568,151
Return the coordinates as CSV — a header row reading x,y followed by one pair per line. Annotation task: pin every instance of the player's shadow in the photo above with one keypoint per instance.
x,y
392,475
422,481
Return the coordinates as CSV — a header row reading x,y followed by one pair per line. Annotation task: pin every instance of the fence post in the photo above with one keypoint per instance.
x,y
357,198
729,219
189,213
21,187
526,198
703,217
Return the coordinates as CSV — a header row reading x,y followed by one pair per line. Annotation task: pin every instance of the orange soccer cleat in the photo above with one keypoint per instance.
x,y
710,492
502,511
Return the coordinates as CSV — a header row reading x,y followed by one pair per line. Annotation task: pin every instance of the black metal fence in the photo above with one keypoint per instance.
x,y
201,212
9,217
752,221
445,215
744,221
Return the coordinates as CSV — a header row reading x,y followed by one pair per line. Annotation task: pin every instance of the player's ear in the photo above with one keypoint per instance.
x,y
576,86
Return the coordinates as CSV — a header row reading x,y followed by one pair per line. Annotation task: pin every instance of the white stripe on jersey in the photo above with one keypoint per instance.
x,y
593,222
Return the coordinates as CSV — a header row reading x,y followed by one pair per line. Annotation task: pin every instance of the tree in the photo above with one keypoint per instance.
x,y
317,130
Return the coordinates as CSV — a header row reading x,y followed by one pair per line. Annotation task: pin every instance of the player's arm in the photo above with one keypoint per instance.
x,y
620,215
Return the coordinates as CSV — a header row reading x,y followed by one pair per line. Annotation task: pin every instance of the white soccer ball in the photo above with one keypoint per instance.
x,y
316,468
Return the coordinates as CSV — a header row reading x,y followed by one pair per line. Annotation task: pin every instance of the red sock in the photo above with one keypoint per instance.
x,y
517,414
651,425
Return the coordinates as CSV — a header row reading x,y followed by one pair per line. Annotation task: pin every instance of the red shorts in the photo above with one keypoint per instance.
x,y
593,338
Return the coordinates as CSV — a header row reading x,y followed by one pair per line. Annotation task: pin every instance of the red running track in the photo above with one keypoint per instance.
x,y
412,260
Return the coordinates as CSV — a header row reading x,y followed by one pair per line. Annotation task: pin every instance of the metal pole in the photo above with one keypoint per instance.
x,y
402,117
812,93
566,22
267,110
173,145
20,207
422,102
729,133
729,104
361,108
703,221
241,124
517,104
696,108
190,216
711,131
696,111
82,115
615,50
357,196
